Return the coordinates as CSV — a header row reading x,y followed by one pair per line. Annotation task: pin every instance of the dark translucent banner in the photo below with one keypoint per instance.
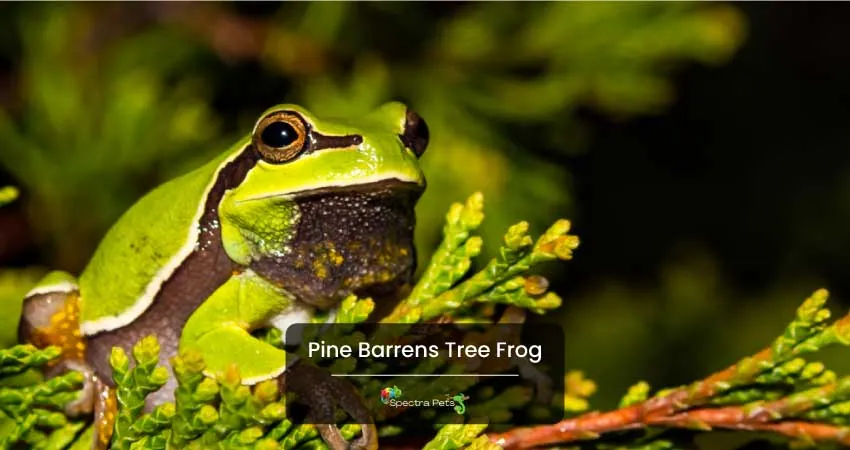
x,y
429,373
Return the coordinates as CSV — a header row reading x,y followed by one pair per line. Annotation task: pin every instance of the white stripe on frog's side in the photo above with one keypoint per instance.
x,y
61,287
152,289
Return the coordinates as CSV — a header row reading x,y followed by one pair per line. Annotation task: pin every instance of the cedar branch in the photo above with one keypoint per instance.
x,y
683,407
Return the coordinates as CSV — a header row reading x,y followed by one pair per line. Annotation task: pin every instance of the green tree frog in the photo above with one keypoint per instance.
x,y
286,223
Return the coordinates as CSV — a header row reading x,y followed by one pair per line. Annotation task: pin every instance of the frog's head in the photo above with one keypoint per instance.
x,y
327,209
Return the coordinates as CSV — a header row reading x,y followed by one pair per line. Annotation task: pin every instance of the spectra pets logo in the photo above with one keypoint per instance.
x,y
390,393
460,406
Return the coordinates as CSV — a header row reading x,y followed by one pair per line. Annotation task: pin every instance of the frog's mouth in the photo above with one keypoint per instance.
x,y
386,185
383,184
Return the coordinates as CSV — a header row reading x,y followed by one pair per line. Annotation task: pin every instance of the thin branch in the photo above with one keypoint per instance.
x,y
591,425
684,407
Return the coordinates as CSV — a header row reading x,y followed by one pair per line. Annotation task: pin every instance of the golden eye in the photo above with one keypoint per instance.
x,y
280,137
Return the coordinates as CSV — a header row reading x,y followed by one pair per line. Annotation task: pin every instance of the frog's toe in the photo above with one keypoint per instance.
x,y
83,405
368,439
332,436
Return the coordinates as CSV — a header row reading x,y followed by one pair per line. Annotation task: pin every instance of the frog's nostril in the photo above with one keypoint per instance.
x,y
416,133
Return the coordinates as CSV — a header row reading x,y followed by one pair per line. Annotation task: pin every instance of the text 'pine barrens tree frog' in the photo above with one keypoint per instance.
x,y
286,223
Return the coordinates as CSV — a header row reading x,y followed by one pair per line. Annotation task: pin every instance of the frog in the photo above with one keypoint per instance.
x,y
297,215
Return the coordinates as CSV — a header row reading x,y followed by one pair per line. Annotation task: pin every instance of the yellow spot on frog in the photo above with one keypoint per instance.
x,y
64,331
105,425
326,257
319,269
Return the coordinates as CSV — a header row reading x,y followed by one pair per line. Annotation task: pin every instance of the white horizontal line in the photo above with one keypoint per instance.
x,y
425,375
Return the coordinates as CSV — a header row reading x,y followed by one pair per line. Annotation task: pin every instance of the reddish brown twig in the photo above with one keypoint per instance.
x,y
686,406
590,426
672,410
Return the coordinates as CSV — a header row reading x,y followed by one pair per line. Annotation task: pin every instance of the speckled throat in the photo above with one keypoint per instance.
x,y
356,239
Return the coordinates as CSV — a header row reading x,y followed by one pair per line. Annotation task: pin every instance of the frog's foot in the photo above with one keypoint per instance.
x,y
543,385
84,404
95,397
323,393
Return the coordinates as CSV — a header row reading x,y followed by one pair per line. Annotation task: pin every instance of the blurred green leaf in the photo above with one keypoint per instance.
x,y
98,117
14,284
494,69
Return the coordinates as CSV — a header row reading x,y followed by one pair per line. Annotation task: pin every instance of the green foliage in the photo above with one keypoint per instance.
x,y
30,408
458,436
637,393
775,390
8,194
207,413
781,369
14,284
500,281
96,110
499,84
133,386
578,390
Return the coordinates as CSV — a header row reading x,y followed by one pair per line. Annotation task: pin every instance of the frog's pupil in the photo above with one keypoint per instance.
x,y
279,134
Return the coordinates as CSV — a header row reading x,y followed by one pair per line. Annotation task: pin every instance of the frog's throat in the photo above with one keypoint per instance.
x,y
357,240
390,181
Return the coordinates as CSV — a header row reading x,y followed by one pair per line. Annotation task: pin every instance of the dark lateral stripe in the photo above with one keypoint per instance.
x,y
198,276
320,141
231,175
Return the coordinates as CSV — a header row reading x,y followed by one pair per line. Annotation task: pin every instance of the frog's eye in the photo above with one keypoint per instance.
x,y
280,136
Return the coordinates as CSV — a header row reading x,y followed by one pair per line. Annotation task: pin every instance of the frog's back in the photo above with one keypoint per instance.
x,y
143,249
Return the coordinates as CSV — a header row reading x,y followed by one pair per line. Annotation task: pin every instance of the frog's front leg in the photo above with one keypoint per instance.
x,y
220,330
323,393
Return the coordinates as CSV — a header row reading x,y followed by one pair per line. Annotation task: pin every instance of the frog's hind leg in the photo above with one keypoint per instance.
x,y
50,316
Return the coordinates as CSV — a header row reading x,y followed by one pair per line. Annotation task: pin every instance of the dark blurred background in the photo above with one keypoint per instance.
x,y
701,149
